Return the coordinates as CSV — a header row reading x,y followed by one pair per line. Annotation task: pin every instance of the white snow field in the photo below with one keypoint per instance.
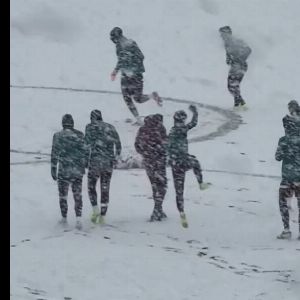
x,y
230,250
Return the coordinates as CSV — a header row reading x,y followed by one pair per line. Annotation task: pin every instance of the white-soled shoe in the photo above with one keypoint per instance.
x,y
78,224
284,235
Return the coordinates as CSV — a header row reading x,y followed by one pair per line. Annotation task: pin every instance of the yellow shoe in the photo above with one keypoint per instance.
x,y
100,219
96,214
94,217
183,219
243,107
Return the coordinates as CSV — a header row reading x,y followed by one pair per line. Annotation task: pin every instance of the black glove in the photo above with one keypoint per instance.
x,y
53,173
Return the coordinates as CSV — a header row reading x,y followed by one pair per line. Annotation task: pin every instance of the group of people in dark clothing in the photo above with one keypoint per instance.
x,y
158,149
73,152
99,148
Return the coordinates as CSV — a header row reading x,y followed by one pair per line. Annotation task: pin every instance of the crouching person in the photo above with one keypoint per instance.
x,y
151,142
288,151
68,162
104,146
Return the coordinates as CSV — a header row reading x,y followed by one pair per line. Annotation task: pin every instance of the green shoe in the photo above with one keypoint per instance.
x,y
94,218
183,219
243,107
100,219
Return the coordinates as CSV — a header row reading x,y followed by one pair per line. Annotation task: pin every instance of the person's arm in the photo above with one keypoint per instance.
x,y
88,142
229,57
117,141
279,155
54,156
137,51
138,142
194,120
84,149
118,66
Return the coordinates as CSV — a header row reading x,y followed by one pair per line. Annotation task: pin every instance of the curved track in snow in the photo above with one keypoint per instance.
x,y
232,123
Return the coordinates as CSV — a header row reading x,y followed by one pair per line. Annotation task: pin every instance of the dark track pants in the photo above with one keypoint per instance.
x,y
132,87
105,176
287,191
179,169
156,172
235,76
63,188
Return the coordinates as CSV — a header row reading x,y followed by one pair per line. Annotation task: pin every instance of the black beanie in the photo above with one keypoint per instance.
x,y
96,115
67,121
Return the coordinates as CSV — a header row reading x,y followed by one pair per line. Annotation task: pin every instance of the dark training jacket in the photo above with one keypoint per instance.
x,y
177,139
103,143
288,151
130,57
69,153
151,139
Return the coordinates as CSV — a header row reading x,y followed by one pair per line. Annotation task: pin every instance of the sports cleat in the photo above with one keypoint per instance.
x,y
96,214
138,122
101,219
78,224
94,217
156,216
63,221
243,107
284,235
183,220
240,107
157,98
163,215
204,185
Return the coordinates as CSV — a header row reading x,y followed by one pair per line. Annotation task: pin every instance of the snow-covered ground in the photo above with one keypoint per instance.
x,y
229,250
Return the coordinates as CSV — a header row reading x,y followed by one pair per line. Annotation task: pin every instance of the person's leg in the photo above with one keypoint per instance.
x,y
179,176
137,86
285,192
150,168
92,181
194,164
297,194
161,183
233,83
77,194
63,187
105,177
126,88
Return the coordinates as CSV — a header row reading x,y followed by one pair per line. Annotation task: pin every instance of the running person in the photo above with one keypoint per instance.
x,y
130,64
237,52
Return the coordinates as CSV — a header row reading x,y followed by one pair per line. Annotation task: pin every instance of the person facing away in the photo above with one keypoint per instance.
x,y
104,146
288,151
68,163
237,52
179,158
131,65
294,109
151,142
